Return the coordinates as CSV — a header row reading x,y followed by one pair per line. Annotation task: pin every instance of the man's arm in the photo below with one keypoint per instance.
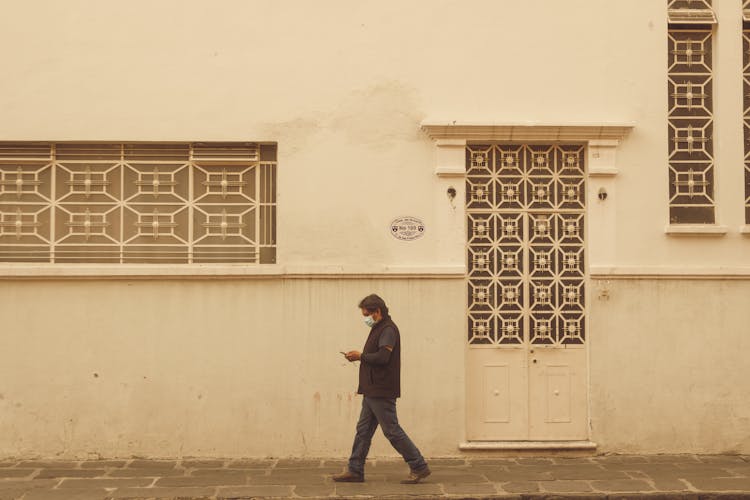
x,y
378,358
385,347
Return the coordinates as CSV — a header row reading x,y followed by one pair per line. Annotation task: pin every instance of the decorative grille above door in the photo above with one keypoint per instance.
x,y
138,203
525,206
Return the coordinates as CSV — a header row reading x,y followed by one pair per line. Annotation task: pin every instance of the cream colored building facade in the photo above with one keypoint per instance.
x,y
380,111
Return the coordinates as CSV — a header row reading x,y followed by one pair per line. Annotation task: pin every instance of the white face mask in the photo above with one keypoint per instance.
x,y
369,321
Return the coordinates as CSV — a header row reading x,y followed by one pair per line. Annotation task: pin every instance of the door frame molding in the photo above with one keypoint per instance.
x,y
601,142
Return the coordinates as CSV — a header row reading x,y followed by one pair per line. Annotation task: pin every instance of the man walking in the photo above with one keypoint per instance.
x,y
380,384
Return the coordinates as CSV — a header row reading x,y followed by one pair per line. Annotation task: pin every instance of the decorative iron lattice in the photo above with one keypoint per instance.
x,y
525,206
137,203
689,4
690,12
746,106
691,161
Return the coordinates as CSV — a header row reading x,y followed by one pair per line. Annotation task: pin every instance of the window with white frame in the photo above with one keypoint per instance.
x,y
690,86
746,100
146,203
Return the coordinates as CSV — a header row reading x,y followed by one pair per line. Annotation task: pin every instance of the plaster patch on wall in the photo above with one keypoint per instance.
x,y
358,119
362,114
292,135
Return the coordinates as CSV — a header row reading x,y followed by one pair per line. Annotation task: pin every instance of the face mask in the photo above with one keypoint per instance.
x,y
369,321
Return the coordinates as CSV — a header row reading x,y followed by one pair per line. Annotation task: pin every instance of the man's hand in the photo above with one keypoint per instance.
x,y
352,355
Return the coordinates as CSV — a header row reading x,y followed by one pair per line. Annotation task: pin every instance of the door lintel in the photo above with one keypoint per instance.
x,y
451,138
525,132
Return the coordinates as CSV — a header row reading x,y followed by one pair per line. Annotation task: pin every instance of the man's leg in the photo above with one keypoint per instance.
x,y
385,412
366,427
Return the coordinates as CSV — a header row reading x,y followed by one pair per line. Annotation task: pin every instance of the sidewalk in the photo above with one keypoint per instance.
x,y
620,477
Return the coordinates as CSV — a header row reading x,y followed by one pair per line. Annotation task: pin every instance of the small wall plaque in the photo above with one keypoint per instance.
x,y
407,228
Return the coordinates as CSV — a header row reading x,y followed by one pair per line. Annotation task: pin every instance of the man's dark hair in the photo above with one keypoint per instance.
x,y
372,303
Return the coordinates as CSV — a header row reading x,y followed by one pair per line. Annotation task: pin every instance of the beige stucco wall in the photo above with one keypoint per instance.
x,y
343,87
251,367
668,370
217,367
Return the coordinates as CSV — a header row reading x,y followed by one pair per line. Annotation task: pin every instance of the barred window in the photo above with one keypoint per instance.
x,y
138,202
746,100
690,88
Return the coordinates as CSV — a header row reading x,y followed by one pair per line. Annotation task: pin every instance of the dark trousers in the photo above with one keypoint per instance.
x,y
382,411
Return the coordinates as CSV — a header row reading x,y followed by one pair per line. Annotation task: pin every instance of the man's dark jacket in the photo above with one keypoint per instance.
x,y
378,380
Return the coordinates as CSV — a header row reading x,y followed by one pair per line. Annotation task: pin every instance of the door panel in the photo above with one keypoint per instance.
x,y
558,394
497,392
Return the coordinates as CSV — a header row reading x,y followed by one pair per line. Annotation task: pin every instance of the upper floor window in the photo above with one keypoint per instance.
x,y
148,203
746,100
690,104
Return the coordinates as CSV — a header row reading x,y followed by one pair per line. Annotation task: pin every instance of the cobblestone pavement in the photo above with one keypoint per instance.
x,y
615,477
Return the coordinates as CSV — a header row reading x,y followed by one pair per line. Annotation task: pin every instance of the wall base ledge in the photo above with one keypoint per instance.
x,y
224,271
527,445
668,272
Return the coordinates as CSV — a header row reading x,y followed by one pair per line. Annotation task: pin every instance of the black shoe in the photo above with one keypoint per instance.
x,y
348,477
417,475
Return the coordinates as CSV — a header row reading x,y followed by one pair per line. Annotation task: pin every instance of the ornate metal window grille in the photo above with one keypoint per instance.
x,y
690,98
525,247
138,203
691,12
746,100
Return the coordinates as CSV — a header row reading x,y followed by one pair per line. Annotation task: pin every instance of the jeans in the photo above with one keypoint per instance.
x,y
382,411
